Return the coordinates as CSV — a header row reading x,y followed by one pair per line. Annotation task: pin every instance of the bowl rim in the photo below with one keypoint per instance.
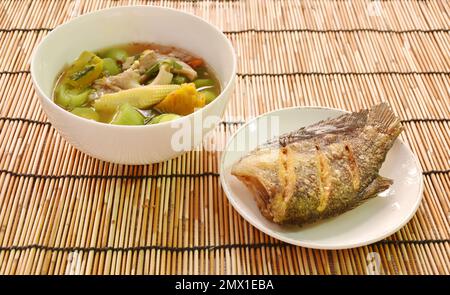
x,y
225,89
292,241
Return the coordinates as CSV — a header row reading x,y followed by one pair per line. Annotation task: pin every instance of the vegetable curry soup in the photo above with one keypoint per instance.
x,y
135,84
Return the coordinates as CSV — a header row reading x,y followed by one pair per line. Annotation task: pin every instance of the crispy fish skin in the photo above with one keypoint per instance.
x,y
322,170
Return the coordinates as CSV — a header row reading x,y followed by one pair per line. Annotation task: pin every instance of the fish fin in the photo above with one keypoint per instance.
x,y
384,120
380,116
378,185
342,124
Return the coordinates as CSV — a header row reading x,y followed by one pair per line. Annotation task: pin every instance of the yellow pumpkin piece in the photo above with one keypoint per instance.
x,y
182,101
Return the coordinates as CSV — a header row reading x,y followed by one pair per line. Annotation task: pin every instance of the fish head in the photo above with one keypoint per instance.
x,y
259,172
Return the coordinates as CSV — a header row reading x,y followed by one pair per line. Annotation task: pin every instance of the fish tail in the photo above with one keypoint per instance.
x,y
384,120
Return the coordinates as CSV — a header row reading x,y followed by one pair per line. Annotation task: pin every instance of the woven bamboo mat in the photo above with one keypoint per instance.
x,y
62,212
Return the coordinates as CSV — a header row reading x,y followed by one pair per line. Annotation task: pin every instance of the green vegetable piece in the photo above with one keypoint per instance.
x,y
128,115
209,94
88,113
179,79
117,54
78,75
203,82
152,72
83,71
164,118
172,63
176,65
110,66
70,98
202,71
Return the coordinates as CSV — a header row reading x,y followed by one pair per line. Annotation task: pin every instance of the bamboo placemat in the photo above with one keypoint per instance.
x,y
62,212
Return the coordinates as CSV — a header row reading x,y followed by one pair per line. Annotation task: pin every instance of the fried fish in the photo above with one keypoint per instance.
x,y
322,170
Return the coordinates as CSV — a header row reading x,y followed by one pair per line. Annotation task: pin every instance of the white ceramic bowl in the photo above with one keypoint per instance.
x,y
121,25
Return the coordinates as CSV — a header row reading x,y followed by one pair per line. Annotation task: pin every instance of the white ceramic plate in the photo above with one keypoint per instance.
x,y
366,224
